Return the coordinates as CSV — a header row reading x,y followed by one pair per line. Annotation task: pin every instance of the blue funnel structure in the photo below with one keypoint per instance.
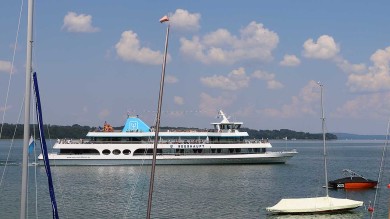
x,y
135,124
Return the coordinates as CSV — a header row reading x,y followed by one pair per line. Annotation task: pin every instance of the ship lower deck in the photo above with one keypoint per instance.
x,y
265,158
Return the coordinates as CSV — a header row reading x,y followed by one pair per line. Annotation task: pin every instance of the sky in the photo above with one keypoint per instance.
x,y
259,61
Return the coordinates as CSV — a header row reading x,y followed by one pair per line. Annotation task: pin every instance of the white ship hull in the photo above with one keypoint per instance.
x,y
91,160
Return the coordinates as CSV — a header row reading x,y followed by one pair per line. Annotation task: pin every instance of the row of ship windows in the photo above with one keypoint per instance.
x,y
169,151
128,152
116,152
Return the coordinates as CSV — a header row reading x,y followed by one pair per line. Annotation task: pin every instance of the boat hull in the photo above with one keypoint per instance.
x,y
352,183
313,205
98,160
359,185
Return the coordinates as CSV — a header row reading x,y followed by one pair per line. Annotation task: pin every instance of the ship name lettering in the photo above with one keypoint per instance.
x,y
190,146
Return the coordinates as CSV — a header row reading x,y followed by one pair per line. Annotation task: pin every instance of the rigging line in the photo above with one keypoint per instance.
x,y
36,182
28,170
132,190
320,178
57,179
12,143
12,68
34,121
48,131
381,168
35,166
143,185
324,154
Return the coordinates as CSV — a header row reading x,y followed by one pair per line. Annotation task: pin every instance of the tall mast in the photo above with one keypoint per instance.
x,y
23,196
157,128
323,138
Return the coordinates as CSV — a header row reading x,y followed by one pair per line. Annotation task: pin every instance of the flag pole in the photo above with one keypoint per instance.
x,y
157,126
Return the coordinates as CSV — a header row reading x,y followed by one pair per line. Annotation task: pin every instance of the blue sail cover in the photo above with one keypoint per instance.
x,y
44,148
135,124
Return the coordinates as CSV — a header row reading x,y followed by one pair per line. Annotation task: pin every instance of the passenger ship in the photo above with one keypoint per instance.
x,y
224,144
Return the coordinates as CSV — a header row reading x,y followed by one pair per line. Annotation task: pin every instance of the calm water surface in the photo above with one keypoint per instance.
x,y
217,191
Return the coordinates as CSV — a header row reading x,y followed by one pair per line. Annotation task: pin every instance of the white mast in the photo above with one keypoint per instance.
x,y
323,138
26,135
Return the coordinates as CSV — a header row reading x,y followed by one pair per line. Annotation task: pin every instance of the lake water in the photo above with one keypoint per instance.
x,y
216,191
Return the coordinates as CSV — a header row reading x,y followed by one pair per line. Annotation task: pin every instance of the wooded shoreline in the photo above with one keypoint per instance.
x,y
76,131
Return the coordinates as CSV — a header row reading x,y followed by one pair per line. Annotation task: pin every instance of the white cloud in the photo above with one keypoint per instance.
x,y
273,85
254,43
78,23
371,105
220,37
378,76
300,105
184,20
269,78
235,80
171,79
349,68
263,75
5,66
209,105
129,49
290,60
178,100
324,48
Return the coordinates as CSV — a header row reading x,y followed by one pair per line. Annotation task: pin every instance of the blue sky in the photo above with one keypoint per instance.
x,y
259,61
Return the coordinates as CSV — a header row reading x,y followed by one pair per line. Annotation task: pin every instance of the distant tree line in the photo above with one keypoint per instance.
x,y
77,132
50,131
283,133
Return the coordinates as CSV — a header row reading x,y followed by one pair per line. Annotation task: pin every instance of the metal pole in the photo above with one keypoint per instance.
x,y
324,139
157,127
26,135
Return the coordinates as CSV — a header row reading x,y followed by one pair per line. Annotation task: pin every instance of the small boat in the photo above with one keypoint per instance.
x,y
315,204
352,180
322,204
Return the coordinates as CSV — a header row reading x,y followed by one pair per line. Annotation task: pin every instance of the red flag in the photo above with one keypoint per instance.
x,y
163,19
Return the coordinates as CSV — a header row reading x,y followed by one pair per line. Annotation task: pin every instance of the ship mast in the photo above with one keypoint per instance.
x,y
157,127
23,196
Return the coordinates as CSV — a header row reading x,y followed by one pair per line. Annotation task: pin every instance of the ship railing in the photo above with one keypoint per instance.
x,y
179,141
200,152
72,141
256,141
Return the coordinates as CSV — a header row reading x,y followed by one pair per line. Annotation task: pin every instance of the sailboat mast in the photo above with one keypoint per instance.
x,y
26,135
324,138
157,128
